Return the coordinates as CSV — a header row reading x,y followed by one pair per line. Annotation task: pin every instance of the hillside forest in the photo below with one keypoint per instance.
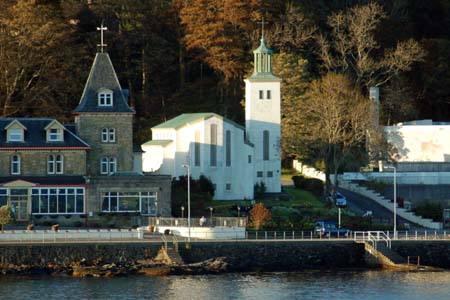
x,y
181,56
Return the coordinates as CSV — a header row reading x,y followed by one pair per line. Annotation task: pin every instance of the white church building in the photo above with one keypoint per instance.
x,y
233,157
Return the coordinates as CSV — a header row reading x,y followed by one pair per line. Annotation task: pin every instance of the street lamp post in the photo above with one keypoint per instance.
x,y
395,199
188,168
182,212
239,211
210,214
156,208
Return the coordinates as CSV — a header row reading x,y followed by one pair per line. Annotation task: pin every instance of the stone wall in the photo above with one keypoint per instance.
x,y
160,184
34,162
280,255
431,253
89,128
243,256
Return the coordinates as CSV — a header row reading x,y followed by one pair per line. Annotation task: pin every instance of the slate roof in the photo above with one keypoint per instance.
x,y
183,119
46,180
102,75
35,135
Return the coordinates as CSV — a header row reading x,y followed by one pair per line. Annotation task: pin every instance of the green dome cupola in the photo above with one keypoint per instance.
x,y
262,59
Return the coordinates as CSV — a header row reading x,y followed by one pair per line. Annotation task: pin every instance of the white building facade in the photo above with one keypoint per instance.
x,y
234,158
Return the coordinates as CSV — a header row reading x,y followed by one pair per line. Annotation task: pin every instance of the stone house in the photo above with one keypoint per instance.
x,y
86,172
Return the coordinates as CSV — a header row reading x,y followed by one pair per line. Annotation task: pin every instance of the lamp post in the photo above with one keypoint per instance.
x,y
239,211
188,168
182,212
395,199
156,208
210,214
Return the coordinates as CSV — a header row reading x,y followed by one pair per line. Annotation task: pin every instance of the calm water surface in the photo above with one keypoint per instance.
x,y
315,285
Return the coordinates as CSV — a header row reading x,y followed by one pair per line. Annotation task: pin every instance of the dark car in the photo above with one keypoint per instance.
x,y
329,229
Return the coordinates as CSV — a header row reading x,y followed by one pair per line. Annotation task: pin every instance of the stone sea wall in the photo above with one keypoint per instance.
x,y
431,253
240,256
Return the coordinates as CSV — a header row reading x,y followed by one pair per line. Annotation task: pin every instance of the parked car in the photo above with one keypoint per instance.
x,y
341,201
329,229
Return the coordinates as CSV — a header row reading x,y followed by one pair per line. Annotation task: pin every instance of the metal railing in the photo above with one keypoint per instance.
x,y
199,222
372,237
72,235
289,235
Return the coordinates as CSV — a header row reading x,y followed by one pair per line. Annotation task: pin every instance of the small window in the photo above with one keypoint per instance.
x,y
259,174
228,148
55,135
261,94
15,135
105,98
108,135
270,174
55,164
249,159
228,187
269,94
112,135
213,145
108,165
15,164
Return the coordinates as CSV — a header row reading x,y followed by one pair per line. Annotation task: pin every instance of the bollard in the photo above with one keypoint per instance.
x,y
416,235
284,235
265,235
256,235
293,235
311,235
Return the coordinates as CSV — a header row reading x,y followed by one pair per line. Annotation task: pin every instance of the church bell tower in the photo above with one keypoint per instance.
x,y
262,119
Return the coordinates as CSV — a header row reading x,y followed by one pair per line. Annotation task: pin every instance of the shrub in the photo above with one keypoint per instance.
x,y
6,216
312,185
430,210
259,189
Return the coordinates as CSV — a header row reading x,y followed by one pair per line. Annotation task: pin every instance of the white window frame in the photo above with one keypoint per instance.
x,y
15,164
56,135
108,165
15,135
111,135
108,135
105,98
55,164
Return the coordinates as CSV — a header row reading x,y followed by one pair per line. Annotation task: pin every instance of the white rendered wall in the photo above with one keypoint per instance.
x,y
170,158
261,115
420,143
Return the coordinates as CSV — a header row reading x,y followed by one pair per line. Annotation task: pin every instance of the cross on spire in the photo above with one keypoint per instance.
x,y
262,26
101,29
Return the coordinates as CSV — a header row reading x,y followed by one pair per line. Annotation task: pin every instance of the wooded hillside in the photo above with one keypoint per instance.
x,y
180,56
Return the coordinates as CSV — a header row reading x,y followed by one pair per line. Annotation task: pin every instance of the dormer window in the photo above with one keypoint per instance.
x,y
15,135
15,131
55,135
54,131
105,98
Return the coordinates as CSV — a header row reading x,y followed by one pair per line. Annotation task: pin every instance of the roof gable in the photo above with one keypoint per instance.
x,y
15,122
102,77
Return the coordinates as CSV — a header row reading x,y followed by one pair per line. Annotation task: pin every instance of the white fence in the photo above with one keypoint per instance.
x,y
308,171
70,235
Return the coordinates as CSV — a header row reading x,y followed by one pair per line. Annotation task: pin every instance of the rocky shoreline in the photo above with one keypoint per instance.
x,y
99,268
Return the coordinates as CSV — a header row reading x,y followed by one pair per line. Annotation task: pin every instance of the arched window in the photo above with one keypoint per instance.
x,y
266,145
108,165
15,164
108,135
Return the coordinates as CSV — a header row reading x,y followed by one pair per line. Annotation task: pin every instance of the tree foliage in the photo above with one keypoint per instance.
x,y
259,215
6,216
337,119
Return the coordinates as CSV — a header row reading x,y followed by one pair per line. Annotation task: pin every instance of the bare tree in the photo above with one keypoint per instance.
x,y
352,48
336,121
